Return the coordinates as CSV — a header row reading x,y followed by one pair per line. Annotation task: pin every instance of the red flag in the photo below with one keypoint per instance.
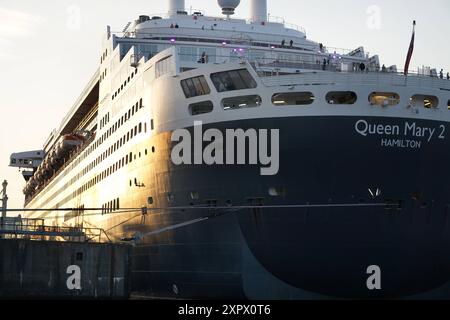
x,y
411,49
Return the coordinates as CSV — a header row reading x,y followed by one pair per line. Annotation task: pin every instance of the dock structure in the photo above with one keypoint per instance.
x,y
63,270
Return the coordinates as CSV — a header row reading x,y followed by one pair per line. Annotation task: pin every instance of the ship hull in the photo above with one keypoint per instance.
x,y
395,198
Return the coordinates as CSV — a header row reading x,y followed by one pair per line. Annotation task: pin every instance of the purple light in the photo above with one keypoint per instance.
x,y
224,43
173,40
272,47
241,50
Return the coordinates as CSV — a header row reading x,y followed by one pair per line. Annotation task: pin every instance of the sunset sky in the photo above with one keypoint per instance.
x,y
49,49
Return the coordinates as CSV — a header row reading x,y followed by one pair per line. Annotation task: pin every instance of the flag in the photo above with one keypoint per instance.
x,y
411,49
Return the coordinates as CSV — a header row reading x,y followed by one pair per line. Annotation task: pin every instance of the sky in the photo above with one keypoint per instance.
x,y
49,50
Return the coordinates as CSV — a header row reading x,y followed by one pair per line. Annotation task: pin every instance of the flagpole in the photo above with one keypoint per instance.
x,y
411,49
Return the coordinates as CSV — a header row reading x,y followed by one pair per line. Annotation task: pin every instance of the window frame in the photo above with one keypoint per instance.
x,y
312,98
340,103
200,104
224,100
223,81
195,87
385,94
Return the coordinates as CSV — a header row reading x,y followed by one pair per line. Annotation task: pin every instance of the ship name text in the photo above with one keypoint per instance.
x,y
406,135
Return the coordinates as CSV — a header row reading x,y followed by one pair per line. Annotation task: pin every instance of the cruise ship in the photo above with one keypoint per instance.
x,y
357,204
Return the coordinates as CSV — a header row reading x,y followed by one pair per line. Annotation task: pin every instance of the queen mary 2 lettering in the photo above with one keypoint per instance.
x,y
264,165
407,135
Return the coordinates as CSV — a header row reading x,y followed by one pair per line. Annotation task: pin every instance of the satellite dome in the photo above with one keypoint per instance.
x,y
228,6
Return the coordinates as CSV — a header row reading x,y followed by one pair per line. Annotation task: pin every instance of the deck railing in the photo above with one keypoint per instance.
x,y
72,156
35,229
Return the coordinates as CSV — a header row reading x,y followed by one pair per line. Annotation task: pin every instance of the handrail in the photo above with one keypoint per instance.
x,y
17,227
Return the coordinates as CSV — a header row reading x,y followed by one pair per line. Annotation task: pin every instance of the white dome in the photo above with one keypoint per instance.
x,y
228,6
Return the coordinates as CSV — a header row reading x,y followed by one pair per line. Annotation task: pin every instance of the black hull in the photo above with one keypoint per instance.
x,y
308,252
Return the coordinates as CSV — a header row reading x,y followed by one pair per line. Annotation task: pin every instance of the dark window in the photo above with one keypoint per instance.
x,y
293,98
233,80
201,108
140,127
341,97
194,87
241,102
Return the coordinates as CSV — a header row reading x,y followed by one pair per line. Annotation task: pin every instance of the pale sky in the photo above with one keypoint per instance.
x,y
49,49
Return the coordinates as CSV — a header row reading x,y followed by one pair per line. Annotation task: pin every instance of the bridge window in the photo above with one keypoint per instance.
x,y
341,97
384,99
420,100
194,87
241,102
201,108
233,80
293,98
163,66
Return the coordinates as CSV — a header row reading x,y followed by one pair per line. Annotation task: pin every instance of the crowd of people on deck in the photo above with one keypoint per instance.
x,y
326,62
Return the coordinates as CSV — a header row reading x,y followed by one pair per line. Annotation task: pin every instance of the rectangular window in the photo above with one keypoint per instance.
x,y
233,80
163,67
194,87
